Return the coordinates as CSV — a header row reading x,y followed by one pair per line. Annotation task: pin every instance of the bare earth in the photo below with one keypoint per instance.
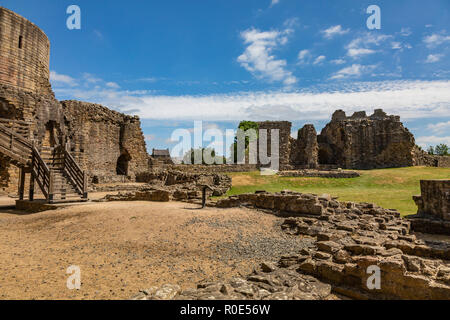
x,y
122,247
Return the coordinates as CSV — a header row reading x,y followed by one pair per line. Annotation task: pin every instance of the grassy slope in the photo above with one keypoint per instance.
x,y
388,188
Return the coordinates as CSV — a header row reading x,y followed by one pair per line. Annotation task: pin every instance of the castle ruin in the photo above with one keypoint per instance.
x,y
103,144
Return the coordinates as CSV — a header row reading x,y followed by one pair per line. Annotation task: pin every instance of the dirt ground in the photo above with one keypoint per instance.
x,y
123,247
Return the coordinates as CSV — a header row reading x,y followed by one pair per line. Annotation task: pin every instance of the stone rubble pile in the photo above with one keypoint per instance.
x,y
165,185
349,238
267,282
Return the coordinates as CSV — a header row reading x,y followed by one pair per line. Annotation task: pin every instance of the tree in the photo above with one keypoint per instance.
x,y
430,150
189,157
244,126
441,150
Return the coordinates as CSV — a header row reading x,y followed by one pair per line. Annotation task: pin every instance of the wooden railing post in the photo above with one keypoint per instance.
x,y
32,177
85,191
21,182
51,186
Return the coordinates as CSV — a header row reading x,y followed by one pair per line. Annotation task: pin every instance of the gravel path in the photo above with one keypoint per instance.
x,y
122,247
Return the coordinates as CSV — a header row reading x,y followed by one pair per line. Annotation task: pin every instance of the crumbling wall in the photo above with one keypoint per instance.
x,y
305,150
366,142
434,199
106,143
422,158
284,128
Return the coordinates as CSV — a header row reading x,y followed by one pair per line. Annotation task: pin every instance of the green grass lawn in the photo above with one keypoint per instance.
x,y
388,188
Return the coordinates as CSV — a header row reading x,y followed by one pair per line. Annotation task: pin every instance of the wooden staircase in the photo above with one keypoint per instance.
x,y
53,169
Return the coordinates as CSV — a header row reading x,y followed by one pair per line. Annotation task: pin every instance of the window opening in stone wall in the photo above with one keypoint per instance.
x,y
20,42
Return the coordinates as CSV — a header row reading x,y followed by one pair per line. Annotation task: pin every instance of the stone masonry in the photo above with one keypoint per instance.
x,y
366,142
109,145
433,215
352,142
106,143
349,238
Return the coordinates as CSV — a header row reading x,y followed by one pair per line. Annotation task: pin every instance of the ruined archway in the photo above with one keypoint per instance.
x,y
122,163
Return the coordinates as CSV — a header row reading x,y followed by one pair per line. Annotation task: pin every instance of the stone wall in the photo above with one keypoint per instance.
x,y
284,128
106,143
100,138
219,168
366,142
350,240
433,215
305,151
434,199
422,158
355,142
24,54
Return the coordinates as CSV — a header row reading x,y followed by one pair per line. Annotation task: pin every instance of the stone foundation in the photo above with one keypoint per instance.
x,y
320,174
433,215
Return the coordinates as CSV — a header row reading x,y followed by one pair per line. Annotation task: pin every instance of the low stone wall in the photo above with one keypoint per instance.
x,y
350,240
166,185
422,158
350,237
320,174
220,168
433,215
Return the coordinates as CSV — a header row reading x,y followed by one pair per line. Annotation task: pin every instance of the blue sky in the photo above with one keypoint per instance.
x,y
173,62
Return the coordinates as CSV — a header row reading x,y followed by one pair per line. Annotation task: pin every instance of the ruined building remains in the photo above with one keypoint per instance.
x,y
351,142
103,143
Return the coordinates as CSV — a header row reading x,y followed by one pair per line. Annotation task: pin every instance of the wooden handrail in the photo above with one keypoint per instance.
x,y
74,171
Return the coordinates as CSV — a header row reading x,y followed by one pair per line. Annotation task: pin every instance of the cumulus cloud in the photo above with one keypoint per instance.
x,y
409,99
274,2
365,44
435,40
338,61
406,32
319,59
432,58
440,127
426,141
62,79
304,56
112,85
258,58
334,31
354,71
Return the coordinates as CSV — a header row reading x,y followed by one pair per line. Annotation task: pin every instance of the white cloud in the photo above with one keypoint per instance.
x,y
356,53
396,45
258,58
354,71
338,61
435,40
432,58
440,127
274,2
304,56
406,32
112,85
62,79
427,141
364,44
334,31
409,99
319,59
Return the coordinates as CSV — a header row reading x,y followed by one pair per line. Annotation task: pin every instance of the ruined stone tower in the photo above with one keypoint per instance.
x,y
26,97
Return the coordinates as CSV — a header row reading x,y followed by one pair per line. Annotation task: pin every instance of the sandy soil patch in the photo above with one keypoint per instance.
x,y
122,247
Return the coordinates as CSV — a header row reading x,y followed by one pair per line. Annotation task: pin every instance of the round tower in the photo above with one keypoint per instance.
x,y
24,54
